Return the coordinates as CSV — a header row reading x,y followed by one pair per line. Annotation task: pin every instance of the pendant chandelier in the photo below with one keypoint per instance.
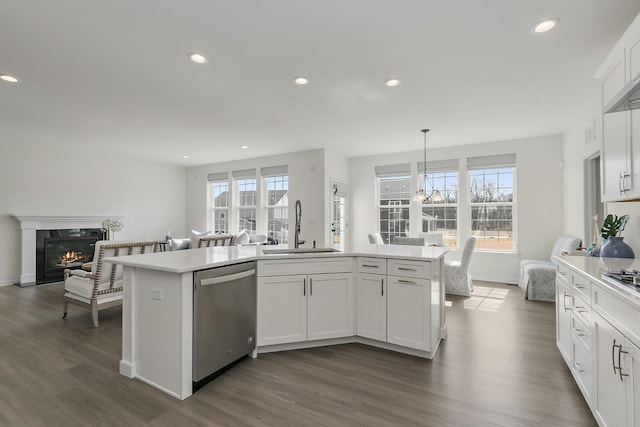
x,y
421,195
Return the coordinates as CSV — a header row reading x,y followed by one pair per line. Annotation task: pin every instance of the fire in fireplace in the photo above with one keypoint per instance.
x,y
57,250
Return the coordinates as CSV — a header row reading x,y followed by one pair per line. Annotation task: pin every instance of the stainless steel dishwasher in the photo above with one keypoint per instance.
x,y
224,319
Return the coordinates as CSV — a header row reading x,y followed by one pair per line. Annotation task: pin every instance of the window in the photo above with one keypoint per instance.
x,y
219,202
394,197
276,182
491,197
440,214
246,200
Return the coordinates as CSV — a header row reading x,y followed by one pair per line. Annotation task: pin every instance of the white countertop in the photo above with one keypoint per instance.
x,y
593,267
189,260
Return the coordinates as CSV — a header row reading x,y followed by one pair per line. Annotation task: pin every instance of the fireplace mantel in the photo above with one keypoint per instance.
x,y
30,223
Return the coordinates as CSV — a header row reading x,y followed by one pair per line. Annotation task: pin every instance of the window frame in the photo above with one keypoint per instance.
x,y
497,204
402,224
431,177
283,237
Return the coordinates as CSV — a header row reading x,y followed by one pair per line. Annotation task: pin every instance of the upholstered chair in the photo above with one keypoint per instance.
x,y
538,277
457,278
102,286
376,239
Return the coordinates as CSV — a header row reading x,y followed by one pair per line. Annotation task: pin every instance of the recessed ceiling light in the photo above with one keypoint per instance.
x,y
185,157
301,80
8,78
392,82
197,58
244,147
544,26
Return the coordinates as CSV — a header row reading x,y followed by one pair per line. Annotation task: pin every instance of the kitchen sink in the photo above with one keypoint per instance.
x,y
298,251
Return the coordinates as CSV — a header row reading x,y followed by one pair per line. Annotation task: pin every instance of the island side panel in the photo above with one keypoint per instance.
x,y
159,325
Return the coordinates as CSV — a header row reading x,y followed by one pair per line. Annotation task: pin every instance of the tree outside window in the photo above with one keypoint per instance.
x,y
491,199
441,216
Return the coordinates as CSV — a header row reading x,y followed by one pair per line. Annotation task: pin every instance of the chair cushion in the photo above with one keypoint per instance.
x,y
179,244
242,238
84,287
564,244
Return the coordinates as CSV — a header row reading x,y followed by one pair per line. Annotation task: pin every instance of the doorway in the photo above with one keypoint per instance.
x,y
339,194
593,206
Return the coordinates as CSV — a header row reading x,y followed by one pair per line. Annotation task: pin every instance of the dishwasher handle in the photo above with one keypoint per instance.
x,y
227,278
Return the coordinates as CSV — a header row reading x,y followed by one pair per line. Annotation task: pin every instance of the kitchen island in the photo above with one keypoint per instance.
x,y
384,295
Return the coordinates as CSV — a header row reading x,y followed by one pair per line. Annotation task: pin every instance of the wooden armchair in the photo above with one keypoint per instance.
x,y
214,240
102,286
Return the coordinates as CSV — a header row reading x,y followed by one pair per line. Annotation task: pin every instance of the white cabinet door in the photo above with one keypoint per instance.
x,y
564,303
610,406
371,306
616,164
633,387
407,316
330,306
282,309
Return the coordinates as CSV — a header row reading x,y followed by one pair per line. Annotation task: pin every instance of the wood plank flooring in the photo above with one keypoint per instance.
x,y
499,366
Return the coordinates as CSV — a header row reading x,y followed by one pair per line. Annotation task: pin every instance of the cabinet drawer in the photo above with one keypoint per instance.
x,y
623,316
564,274
582,287
581,332
371,265
583,370
417,269
581,309
302,266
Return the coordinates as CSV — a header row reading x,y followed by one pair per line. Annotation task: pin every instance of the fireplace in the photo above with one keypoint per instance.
x,y
57,250
30,224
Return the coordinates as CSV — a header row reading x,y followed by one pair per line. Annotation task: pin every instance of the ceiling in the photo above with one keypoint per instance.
x,y
115,74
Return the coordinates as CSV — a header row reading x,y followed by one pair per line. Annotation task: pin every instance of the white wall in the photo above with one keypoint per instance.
x,y
65,180
306,183
539,199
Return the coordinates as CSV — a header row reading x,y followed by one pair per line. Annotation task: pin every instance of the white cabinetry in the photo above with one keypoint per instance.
x,y
598,331
621,140
574,326
407,318
610,395
282,313
330,306
301,307
371,298
397,307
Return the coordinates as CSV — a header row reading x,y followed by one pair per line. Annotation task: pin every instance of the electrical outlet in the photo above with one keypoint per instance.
x,y
156,294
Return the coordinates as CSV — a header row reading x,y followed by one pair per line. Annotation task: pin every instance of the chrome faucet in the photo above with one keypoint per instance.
x,y
296,239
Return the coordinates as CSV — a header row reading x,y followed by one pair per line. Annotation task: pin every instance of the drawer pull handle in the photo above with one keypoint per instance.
x,y
566,307
581,309
407,269
406,281
370,266
578,367
578,286
613,360
382,286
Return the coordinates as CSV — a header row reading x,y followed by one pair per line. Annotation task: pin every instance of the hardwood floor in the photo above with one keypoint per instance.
x,y
499,366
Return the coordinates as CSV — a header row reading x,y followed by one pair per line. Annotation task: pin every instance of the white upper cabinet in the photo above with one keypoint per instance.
x,y
621,130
